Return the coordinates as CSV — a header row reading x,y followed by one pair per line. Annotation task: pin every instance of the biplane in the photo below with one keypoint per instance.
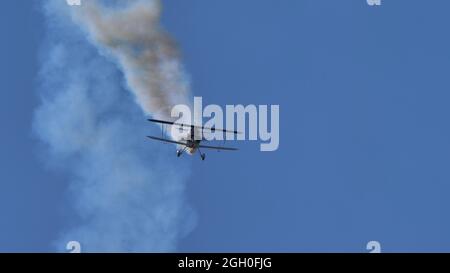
x,y
188,142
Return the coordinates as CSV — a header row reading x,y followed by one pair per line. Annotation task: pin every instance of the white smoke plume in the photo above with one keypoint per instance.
x,y
126,194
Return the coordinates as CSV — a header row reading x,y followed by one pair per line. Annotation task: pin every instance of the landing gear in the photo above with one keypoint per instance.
x,y
201,155
180,152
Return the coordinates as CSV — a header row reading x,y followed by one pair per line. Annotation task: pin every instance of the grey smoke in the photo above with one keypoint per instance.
x,y
147,55
127,194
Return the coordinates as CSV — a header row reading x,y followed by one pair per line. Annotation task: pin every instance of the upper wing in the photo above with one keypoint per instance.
x,y
167,140
217,148
192,126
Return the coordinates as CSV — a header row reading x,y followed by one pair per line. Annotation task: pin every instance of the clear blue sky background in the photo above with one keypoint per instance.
x,y
365,141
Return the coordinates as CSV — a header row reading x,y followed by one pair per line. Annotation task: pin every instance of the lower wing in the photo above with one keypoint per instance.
x,y
217,148
167,140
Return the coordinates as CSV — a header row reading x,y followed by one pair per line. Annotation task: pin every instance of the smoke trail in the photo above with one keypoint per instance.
x,y
148,56
125,195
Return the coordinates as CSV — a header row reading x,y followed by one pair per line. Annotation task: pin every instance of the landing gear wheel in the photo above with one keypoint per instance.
x,y
203,156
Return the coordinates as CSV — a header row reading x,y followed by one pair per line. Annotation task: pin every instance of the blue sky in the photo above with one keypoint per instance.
x,y
364,141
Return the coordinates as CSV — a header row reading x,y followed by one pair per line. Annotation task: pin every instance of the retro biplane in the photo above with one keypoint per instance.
x,y
188,142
